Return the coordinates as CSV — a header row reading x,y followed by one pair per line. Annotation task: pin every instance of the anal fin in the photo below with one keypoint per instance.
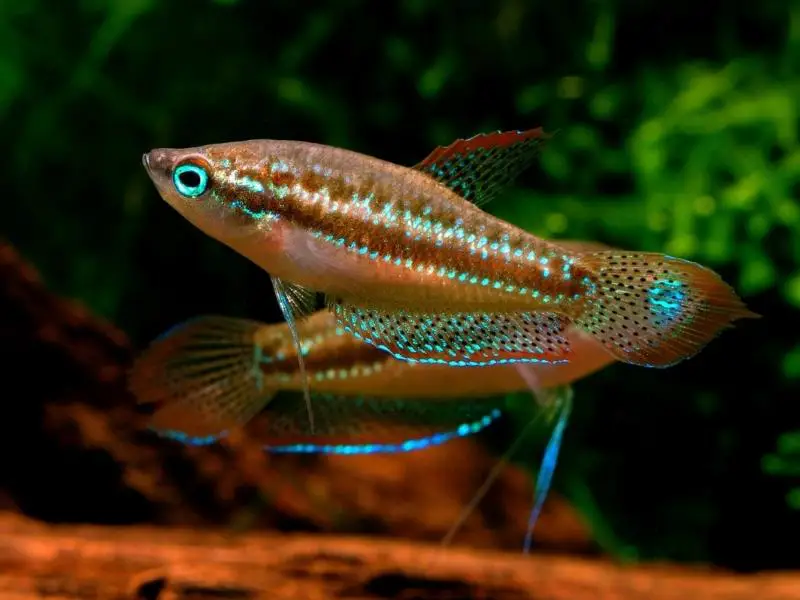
x,y
459,339
355,424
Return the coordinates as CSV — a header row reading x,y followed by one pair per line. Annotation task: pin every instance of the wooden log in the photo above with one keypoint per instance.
x,y
69,562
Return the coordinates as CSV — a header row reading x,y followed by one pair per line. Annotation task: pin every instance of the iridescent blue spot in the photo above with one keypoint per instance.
x,y
666,297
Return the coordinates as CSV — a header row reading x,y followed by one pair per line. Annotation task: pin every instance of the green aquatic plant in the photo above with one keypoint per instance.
x,y
785,463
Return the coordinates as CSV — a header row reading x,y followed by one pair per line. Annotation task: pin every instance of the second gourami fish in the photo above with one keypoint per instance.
x,y
213,374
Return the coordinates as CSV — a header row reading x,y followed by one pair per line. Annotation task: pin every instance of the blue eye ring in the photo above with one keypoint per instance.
x,y
190,180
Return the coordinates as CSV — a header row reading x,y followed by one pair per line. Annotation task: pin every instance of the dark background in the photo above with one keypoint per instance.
x,y
677,132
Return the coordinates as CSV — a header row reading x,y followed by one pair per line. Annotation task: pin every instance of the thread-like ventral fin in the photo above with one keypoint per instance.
x,y
296,302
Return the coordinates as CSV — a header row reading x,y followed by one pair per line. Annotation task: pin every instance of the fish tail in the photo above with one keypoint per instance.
x,y
654,310
204,376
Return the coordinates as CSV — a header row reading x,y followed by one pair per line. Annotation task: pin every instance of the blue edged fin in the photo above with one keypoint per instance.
x,y
481,167
349,424
205,377
296,302
459,339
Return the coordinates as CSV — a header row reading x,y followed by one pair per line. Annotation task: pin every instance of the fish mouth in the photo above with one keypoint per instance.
x,y
160,161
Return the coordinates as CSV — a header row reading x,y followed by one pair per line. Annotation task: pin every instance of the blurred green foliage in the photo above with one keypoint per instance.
x,y
786,463
677,130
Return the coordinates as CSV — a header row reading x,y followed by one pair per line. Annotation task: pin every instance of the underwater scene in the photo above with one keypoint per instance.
x,y
400,300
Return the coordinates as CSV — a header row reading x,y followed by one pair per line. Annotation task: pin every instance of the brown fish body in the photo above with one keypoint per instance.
x,y
337,363
372,232
413,267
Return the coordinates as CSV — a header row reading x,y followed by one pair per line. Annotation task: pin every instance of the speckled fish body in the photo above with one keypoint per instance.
x,y
409,262
213,374
339,363
366,230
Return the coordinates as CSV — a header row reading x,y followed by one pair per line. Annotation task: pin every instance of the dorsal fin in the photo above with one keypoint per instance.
x,y
480,167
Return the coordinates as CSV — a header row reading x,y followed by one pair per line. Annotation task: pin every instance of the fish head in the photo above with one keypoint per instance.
x,y
214,187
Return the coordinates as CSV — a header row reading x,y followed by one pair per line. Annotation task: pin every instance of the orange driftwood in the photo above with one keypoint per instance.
x,y
104,563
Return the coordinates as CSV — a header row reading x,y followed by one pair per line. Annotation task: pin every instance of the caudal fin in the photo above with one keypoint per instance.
x,y
204,376
655,310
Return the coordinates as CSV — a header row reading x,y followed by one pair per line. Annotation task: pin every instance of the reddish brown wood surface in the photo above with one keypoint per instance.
x,y
104,563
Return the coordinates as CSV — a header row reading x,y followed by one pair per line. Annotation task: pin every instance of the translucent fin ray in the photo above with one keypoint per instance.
x,y
296,301
204,374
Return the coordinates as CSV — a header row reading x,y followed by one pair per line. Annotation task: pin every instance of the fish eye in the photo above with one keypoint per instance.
x,y
190,180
